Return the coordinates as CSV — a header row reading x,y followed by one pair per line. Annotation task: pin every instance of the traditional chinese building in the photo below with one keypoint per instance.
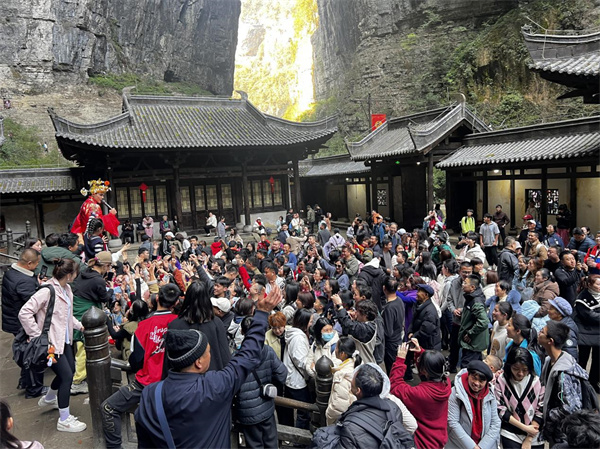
x,y
391,169
568,58
184,156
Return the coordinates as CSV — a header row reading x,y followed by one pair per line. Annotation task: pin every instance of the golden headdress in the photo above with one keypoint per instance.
x,y
96,186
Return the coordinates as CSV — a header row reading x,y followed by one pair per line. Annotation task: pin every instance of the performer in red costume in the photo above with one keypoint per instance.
x,y
93,207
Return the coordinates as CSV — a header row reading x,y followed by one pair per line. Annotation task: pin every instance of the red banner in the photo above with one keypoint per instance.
x,y
377,120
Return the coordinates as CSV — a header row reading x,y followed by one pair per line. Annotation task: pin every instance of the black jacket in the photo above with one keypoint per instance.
x,y
586,314
354,436
374,277
570,345
364,331
251,407
568,281
91,285
216,335
425,326
17,288
508,263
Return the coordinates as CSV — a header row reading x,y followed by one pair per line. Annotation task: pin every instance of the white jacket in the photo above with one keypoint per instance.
x,y
295,357
340,398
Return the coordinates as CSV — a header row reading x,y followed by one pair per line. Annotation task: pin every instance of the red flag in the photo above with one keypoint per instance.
x,y
377,120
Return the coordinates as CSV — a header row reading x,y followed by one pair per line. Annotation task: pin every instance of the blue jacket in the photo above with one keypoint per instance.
x,y
552,240
251,408
198,406
460,418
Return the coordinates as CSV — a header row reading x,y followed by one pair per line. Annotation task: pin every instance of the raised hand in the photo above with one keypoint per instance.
x,y
268,303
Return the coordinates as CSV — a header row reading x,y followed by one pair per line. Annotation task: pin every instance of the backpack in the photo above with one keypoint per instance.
x,y
392,436
589,398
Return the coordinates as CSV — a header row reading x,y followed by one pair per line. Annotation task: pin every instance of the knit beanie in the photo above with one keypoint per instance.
x,y
184,347
529,308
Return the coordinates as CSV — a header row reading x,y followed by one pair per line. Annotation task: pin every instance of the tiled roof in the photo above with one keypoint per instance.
x,y
499,149
331,166
580,65
413,134
37,180
186,122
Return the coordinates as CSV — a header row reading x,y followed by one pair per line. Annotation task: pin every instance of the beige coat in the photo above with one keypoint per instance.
x,y
340,398
33,314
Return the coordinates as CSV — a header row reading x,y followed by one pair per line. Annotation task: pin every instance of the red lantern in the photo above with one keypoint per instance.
x,y
143,188
272,182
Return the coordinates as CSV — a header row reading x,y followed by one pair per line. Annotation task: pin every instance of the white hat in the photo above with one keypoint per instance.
x,y
170,234
223,304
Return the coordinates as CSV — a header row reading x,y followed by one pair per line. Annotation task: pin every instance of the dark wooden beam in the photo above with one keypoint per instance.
x,y
297,189
544,205
430,182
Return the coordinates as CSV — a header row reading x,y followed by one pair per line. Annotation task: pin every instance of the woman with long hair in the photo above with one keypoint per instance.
x,y
7,439
197,313
523,335
32,316
502,313
290,294
520,397
586,314
425,266
428,401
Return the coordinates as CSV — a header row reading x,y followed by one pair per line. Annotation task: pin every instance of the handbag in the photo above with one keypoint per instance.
x,y
267,391
33,354
162,418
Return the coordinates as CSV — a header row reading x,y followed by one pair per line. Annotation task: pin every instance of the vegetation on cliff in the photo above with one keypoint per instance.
x,y
146,86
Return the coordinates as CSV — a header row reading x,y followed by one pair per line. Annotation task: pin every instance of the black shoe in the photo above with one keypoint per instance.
x,y
20,386
42,392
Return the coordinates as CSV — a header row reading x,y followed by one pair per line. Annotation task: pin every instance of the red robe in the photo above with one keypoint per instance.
x,y
89,207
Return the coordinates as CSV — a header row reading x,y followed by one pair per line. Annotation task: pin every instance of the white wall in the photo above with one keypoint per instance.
x,y
357,199
588,205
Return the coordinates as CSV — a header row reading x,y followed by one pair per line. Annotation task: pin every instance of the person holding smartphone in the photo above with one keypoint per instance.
x,y
89,289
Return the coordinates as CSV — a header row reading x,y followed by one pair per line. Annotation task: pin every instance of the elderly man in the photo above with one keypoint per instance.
x,y
18,284
195,398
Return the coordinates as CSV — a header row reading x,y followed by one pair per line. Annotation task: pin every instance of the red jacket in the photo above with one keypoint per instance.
x,y
150,335
428,402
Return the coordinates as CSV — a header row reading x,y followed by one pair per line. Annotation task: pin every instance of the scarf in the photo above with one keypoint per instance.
x,y
477,407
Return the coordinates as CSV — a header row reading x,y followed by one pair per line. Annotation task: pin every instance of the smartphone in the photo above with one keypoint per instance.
x,y
411,345
43,271
110,275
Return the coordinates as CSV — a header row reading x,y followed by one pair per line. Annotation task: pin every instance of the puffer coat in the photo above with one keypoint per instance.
x,y
250,406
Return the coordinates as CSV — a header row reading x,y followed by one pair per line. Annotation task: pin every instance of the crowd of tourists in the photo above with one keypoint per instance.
x,y
430,343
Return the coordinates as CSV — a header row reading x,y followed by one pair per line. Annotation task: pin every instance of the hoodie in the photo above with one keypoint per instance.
x,y
374,277
89,289
295,357
56,252
428,402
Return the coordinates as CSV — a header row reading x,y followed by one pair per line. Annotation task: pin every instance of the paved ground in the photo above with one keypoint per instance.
x,y
31,422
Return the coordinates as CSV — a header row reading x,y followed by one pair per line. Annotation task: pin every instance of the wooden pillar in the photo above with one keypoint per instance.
x,y
245,194
373,187
485,194
111,194
513,211
430,181
297,190
573,197
38,217
544,204
177,187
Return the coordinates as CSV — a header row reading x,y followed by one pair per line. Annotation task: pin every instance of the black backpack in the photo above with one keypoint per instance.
x,y
589,398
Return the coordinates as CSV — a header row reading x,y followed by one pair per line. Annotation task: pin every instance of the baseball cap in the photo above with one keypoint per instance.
x,y
528,217
104,257
222,304
169,234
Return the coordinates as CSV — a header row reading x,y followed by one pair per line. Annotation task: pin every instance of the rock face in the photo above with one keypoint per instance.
x,y
46,43
370,31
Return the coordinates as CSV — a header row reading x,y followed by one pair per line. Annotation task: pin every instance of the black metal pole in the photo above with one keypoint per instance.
x,y
324,381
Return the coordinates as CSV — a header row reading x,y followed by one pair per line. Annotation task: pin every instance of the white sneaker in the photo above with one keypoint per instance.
x,y
71,424
81,388
53,403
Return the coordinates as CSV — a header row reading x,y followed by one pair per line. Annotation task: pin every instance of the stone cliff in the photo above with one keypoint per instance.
x,y
412,55
48,43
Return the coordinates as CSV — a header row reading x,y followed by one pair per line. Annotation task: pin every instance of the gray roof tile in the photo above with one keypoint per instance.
x,y
331,166
559,147
585,65
37,180
182,122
